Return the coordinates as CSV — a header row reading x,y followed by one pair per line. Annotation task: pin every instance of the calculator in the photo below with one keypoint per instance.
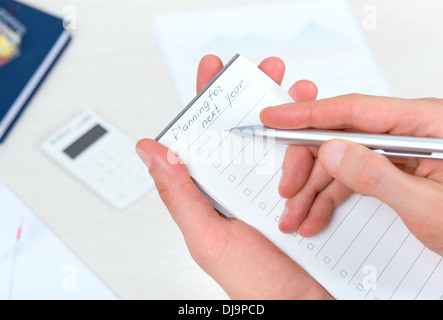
x,y
102,157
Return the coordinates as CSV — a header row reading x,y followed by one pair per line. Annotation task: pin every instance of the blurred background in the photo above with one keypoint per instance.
x,y
119,65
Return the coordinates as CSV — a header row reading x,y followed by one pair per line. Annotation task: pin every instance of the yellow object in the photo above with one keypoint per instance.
x,y
9,41
11,32
7,49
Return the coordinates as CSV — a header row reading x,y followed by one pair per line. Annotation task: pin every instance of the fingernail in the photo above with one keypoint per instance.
x,y
283,215
144,156
332,153
281,177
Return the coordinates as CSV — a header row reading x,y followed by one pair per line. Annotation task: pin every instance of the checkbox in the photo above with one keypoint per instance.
x,y
263,206
295,234
247,192
326,260
360,287
216,164
343,273
231,178
310,246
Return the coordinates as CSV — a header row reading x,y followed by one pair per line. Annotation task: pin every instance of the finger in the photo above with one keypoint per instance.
x,y
274,68
298,160
296,168
188,207
321,210
208,68
413,198
297,207
430,169
303,90
295,212
360,112
372,174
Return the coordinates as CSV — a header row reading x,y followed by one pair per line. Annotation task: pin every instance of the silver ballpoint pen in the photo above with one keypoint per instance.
x,y
388,145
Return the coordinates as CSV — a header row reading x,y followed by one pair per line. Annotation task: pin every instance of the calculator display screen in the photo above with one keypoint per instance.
x,y
81,144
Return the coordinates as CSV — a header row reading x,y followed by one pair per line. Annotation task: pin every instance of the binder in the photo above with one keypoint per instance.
x,y
41,46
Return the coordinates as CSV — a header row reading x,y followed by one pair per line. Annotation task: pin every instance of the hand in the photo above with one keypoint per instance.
x,y
242,261
315,181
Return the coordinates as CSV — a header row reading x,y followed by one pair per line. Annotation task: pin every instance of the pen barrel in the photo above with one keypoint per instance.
x,y
312,137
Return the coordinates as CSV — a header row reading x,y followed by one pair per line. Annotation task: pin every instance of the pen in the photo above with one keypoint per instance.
x,y
14,257
388,145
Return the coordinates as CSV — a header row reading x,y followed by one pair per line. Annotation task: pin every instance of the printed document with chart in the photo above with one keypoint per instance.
x,y
319,40
35,264
365,252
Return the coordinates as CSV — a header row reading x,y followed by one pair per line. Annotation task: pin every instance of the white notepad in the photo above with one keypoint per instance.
x,y
365,252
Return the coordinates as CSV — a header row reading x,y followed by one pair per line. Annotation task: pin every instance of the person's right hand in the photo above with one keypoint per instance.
x,y
412,187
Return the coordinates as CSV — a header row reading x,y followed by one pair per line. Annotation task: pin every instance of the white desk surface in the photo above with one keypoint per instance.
x,y
115,67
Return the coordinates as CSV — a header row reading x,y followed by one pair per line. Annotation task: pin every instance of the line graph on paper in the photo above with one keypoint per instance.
x,y
318,40
9,249
34,261
311,42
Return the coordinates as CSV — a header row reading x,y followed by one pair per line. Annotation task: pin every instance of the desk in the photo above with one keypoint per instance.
x,y
139,252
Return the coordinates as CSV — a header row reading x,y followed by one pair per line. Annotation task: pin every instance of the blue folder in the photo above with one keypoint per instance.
x,y
42,45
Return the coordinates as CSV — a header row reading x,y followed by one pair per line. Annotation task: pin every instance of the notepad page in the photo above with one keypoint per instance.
x,y
365,252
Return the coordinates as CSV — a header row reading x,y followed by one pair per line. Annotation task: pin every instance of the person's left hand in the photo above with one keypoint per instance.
x,y
238,257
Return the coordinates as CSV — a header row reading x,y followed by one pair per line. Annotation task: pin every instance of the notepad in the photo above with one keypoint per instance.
x,y
365,252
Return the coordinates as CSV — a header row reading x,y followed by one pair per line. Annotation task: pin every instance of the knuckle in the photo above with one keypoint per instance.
x,y
350,101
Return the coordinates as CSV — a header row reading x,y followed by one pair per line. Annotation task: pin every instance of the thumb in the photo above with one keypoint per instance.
x,y
188,207
370,174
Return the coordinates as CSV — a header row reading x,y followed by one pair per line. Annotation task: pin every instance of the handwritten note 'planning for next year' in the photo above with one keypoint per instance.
x,y
365,252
